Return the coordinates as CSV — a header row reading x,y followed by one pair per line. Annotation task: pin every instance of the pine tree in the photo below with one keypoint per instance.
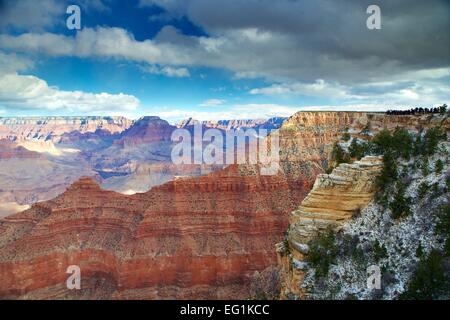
x,y
438,166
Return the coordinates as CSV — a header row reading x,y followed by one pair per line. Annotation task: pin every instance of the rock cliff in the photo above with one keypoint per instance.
x,y
334,199
205,237
53,128
339,197
268,124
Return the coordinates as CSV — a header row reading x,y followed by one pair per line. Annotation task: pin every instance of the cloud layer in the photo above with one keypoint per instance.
x,y
318,49
19,92
283,40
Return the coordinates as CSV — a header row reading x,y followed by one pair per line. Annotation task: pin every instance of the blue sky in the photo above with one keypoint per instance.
x,y
215,59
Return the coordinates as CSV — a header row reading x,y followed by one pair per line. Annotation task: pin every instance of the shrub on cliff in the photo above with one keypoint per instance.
x,y
322,252
389,172
425,167
383,142
427,144
417,145
419,251
400,205
402,143
431,140
436,191
430,280
399,143
339,155
349,247
379,251
346,136
443,220
438,166
359,149
422,190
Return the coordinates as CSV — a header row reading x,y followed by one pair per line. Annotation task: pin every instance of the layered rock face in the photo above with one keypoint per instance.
x,y
146,130
53,128
24,177
141,158
10,150
129,156
268,124
310,135
40,151
205,237
334,199
29,173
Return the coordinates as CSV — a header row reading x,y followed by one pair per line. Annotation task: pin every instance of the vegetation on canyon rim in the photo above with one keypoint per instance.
x,y
404,230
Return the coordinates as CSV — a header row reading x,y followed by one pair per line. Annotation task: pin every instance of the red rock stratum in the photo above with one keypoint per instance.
x,y
191,238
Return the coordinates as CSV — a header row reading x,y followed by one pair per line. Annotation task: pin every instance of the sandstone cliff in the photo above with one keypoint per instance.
x,y
334,199
338,197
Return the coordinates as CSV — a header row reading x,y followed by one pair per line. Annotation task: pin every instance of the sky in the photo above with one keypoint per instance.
x,y
211,59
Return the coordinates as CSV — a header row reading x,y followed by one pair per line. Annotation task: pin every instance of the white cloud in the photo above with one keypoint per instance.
x,y
319,88
275,44
10,63
212,103
20,92
99,42
168,71
31,14
425,90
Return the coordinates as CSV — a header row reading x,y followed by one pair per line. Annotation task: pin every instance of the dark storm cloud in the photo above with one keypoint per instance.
x,y
329,39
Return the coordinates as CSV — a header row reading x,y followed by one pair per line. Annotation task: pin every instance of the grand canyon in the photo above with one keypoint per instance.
x,y
194,150
197,232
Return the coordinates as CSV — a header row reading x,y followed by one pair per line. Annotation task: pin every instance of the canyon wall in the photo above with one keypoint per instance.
x,y
206,237
268,124
123,155
53,128
334,199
